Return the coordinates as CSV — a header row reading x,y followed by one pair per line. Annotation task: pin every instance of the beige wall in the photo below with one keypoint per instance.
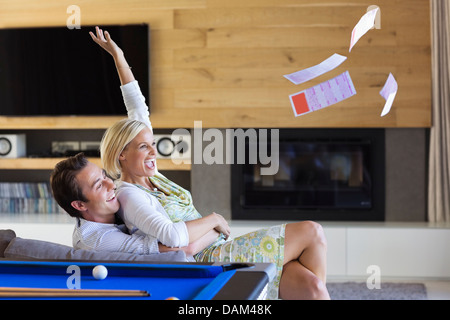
x,y
223,61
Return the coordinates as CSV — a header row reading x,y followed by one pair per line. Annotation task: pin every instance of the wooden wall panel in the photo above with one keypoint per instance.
x,y
223,62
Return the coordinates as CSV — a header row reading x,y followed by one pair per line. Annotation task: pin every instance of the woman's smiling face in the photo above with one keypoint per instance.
x,y
138,159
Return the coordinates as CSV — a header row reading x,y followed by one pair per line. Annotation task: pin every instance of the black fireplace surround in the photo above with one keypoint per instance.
x,y
323,174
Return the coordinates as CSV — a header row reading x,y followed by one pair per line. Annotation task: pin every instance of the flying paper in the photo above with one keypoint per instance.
x,y
323,95
366,23
389,92
307,74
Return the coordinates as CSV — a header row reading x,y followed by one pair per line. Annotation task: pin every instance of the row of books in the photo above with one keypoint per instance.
x,y
27,197
23,205
25,190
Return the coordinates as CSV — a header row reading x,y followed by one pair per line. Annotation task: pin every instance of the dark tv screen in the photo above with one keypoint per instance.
x,y
314,175
56,71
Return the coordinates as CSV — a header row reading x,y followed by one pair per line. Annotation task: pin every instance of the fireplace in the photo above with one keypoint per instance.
x,y
323,174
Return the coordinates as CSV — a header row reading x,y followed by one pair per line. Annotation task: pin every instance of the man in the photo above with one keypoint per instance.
x,y
84,191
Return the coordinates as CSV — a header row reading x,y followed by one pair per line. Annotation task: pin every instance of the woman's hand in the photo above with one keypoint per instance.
x,y
104,40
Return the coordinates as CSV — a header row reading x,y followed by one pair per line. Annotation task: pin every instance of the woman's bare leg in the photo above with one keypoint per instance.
x,y
299,283
304,270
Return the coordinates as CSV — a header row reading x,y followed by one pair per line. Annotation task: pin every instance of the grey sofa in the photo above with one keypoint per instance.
x,y
16,248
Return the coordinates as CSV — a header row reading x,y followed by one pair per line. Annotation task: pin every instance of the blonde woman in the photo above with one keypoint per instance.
x,y
153,205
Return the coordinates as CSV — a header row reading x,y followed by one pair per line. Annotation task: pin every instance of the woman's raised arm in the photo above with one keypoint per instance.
x,y
103,39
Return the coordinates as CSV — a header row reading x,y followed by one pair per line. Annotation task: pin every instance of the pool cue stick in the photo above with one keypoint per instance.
x,y
39,292
67,295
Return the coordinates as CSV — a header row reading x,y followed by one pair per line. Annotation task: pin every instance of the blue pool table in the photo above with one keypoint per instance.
x,y
184,281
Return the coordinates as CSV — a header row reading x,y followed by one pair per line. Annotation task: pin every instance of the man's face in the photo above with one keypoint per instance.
x,y
102,203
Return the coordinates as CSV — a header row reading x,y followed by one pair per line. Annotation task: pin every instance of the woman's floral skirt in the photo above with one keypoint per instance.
x,y
264,245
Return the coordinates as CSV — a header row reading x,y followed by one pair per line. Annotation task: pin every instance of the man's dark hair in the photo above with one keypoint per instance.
x,y
65,187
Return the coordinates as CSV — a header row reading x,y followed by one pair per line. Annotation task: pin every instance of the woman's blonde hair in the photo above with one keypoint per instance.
x,y
114,141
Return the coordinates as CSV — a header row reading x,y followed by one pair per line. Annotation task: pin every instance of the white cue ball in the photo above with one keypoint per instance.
x,y
100,272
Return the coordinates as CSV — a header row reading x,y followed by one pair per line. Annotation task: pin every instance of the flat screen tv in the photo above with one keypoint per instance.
x,y
56,71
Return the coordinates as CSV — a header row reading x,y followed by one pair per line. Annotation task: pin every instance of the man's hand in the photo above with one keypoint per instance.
x,y
222,225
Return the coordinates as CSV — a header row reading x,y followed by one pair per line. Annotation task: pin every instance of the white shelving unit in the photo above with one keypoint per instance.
x,y
48,227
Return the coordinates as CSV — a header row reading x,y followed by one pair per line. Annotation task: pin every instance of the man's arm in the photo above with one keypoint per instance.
x,y
198,228
143,213
103,237
196,246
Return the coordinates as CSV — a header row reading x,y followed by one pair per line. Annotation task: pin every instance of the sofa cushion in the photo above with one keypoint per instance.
x,y
29,249
5,238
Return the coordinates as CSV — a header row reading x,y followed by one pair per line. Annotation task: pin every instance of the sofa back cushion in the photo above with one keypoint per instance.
x,y
5,238
28,249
